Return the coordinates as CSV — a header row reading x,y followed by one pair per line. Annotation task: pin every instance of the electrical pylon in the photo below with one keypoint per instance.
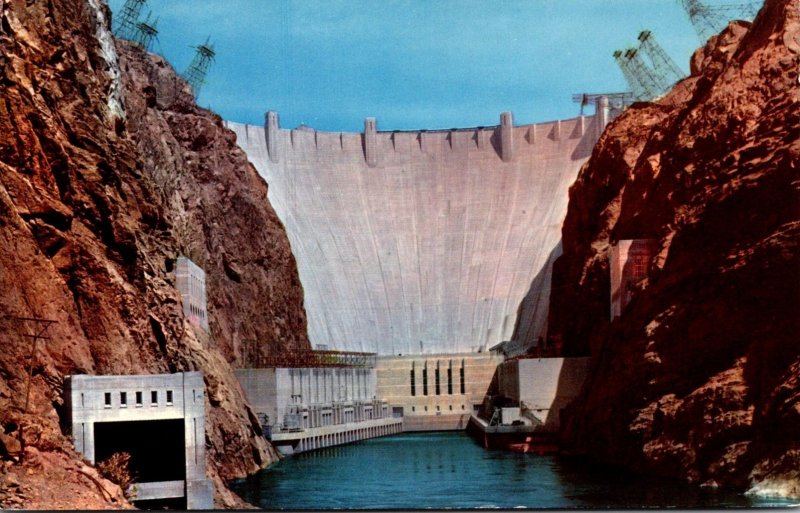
x,y
125,26
709,17
663,66
195,74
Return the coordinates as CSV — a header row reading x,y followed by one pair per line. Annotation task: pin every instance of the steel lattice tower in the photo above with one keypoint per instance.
x,y
195,74
145,32
663,65
653,84
709,18
633,81
125,27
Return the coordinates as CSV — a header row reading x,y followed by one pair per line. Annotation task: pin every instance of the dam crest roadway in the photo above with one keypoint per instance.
x,y
424,242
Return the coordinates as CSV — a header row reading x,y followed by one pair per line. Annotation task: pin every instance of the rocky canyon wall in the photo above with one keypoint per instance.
x,y
108,172
700,377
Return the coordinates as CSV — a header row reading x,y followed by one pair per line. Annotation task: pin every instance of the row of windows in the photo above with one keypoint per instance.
x,y
139,396
438,408
437,384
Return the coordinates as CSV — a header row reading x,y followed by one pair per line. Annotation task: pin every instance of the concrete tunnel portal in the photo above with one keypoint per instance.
x,y
438,241
156,447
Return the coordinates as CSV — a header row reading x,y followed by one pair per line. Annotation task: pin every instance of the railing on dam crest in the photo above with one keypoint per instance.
x,y
306,359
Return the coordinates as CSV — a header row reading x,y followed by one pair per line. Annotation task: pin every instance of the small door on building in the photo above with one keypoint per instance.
x,y
397,412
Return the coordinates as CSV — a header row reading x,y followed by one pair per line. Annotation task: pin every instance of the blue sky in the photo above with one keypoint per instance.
x,y
410,63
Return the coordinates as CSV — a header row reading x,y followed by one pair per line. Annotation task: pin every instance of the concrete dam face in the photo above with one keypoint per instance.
x,y
423,242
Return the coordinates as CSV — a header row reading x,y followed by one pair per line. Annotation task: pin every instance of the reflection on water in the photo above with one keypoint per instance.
x,y
449,470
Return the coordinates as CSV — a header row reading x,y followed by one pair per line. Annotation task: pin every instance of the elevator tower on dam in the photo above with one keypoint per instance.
x,y
424,242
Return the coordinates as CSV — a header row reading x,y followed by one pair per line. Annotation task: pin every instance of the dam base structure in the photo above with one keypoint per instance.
x,y
424,242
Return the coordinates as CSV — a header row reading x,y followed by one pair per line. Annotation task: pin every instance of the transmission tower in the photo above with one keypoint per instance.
x,y
654,85
663,66
643,82
145,32
195,74
125,27
709,17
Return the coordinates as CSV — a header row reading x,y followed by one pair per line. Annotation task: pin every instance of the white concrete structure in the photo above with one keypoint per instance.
x,y
435,392
423,242
97,405
543,386
190,280
312,408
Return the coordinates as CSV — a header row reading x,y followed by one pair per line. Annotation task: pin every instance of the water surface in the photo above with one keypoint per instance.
x,y
450,470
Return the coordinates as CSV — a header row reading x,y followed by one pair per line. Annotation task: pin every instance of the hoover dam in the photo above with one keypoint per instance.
x,y
424,242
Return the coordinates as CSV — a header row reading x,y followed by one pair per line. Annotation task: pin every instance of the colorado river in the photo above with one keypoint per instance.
x,y
449,470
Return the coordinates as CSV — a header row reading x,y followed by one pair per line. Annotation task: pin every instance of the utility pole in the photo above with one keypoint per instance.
x,y
41,327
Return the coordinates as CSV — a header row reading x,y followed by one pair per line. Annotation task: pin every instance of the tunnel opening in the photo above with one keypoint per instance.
x,y
157,447
178,503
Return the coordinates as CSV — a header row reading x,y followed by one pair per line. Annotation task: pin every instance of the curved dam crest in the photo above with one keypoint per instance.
x,y
427,241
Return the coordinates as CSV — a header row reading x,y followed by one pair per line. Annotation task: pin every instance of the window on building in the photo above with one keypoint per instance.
x,y
426,408
107,400
413,383
425,381
451,407
463,387
169,397
449,381
438,390
154,398
123,399
413,408
138,399
639,268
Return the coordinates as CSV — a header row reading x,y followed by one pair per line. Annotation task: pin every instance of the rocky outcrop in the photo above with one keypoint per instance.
x,y
107,173
700,377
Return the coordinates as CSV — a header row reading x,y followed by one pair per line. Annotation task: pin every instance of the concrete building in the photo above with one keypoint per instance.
x,y
190,280
304,409
159,419
542,386
424,242
435,392
629,262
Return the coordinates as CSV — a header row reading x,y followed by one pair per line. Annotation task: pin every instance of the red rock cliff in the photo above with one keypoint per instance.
x,y
108,172
700,377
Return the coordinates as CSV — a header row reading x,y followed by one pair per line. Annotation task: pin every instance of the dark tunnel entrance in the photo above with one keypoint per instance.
x,y
157,447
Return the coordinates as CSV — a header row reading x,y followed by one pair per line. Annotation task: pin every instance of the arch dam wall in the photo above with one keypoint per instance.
x,y
428,241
